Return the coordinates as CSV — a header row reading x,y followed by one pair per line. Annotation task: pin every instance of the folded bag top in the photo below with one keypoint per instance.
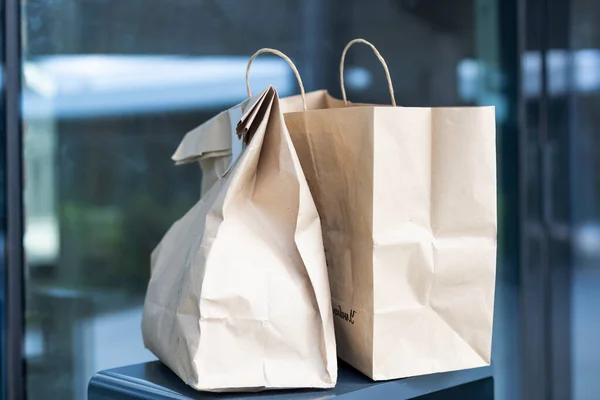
x,y
215,145
239,297
407,200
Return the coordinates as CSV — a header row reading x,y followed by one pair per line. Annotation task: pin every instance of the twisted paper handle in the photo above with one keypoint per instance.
x,y
385,67
287,59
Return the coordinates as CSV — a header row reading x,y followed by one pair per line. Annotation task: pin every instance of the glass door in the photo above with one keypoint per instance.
x,y
110,87
561,187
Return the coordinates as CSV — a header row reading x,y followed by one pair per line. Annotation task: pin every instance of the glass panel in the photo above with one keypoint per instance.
x,y
585,195
110,87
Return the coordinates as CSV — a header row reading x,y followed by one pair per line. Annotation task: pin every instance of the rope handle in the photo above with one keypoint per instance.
x,y
385,68
290,63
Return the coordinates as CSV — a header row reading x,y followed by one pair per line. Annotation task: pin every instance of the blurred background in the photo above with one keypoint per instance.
x,y
110,87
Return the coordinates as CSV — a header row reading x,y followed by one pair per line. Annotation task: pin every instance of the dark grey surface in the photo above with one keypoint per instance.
x,y
155,381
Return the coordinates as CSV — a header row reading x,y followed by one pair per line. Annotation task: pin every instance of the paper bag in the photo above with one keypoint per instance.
x,y
239,296
407,199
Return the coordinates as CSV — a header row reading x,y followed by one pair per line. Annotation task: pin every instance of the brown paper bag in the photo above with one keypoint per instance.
x,y
407,199
239,296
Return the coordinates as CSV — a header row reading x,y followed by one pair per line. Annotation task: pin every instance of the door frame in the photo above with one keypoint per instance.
x,y
13,363
546,262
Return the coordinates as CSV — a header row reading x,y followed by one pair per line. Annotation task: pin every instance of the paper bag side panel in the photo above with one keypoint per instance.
x,y
464,222
402,256
260,324
425,325
402,242
335,148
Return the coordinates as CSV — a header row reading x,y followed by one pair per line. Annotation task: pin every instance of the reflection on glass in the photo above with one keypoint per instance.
x,y
107,98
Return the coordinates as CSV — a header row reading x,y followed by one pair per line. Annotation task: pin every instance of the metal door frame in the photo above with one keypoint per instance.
x,y
545,242
13,302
